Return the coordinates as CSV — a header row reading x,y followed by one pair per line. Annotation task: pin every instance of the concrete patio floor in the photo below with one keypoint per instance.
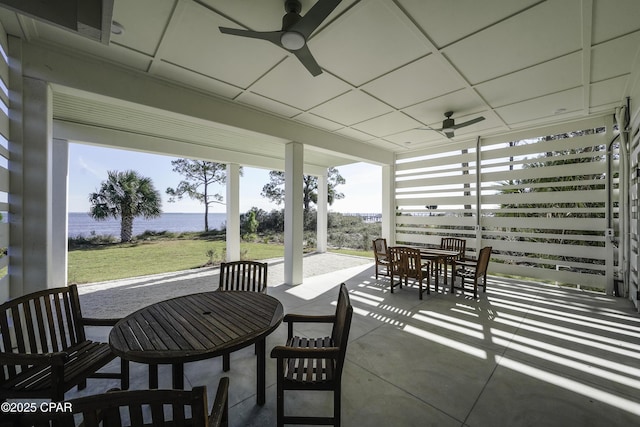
x,y
523,354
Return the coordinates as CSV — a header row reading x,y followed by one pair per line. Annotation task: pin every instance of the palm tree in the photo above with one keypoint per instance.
x,y
125,195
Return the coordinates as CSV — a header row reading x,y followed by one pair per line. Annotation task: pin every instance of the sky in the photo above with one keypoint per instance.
x,y
88,166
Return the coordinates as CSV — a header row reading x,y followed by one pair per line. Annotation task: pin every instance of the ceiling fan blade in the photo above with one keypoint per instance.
x,y
271,36
307,59
449,134
314,17
470,122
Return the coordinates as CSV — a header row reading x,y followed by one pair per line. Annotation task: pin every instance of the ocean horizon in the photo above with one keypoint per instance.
x,y
82,225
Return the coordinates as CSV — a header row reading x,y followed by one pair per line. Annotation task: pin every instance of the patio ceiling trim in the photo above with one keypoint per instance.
x,y
66,70
76,132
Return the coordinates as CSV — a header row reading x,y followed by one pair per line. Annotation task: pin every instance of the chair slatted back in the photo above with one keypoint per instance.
x,y
341,326
406,261
42,322
454,244
483,261
131,408
243,276
380,248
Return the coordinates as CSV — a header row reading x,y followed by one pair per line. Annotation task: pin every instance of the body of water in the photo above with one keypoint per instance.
x,y
81,224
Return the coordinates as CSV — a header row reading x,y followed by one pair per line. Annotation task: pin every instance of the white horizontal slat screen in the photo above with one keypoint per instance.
x,y
540,202
634,226
4,166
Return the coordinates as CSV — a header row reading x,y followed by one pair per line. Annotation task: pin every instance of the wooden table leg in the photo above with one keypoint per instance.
x,y
177,373
153,376
446,275
261,372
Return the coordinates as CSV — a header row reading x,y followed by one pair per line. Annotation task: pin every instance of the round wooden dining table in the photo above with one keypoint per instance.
x,y
196,327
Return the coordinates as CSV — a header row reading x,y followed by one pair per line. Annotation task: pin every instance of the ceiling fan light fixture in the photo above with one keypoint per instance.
x,y
292,40
117,28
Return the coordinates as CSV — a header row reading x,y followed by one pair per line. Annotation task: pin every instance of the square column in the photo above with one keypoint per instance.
x,y
233,212
321,220
30,198
389,204
60,211
293,213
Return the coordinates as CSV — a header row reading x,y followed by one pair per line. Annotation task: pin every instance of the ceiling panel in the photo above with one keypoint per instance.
x,y
289,83
608,92
174,73
368,41
319,122
489,53
552,76
267,104
388,124
264,15
614,58
542,107
194,41
447,21
414,82
414,137
352,107
613,18
462,102
386,145
355,134
143,38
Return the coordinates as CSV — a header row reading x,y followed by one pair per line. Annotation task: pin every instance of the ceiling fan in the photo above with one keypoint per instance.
x,y
295,31
449,125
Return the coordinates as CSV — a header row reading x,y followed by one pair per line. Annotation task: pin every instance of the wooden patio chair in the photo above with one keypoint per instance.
x,y
243,276
250,276
473,270
452,244
139,408
314,363
381,255
408,263
44,351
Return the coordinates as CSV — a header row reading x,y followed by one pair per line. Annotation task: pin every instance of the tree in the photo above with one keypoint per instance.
x,y
274,189
199,176
126,195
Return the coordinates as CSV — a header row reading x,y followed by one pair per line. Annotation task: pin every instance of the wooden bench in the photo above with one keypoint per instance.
x,y
44,351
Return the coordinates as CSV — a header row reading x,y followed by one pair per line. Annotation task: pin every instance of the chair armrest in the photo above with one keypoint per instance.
x,y
290,319
220,411
329,318
466,262
44,359
286,352
91,321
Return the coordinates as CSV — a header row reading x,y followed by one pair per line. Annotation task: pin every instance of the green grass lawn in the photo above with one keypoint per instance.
x,y
119,261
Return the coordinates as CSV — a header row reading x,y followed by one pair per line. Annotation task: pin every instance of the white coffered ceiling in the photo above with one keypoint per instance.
x,y
391,67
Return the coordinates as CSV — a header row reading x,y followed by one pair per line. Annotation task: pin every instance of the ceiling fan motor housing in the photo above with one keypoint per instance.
x,y
292,6
448,123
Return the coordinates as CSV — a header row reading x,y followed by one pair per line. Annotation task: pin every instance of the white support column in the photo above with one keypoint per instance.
x,y
389,204
59,211
233,212
31,183
293,213
322,220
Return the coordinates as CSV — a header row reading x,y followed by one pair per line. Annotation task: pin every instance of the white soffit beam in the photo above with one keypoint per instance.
x,y
112,138
68,70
